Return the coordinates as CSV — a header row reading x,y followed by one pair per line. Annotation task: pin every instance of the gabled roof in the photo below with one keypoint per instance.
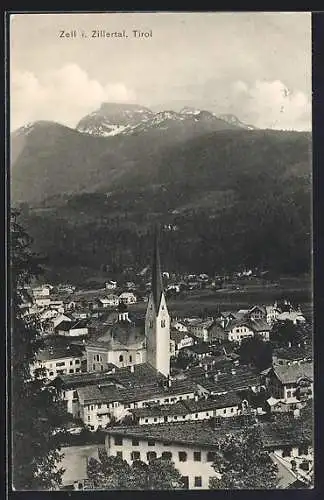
x,y
289,374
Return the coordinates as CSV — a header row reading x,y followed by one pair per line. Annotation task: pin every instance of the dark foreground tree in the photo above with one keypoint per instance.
x,y
242,463
113,473
36,409
257,352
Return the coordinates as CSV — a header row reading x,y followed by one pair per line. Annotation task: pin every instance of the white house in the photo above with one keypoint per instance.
x,y
110,300
111,285
128,298
179,325
293,316
59,360
190,447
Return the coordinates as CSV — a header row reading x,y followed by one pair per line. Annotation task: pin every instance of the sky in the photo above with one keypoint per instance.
x,y
256,66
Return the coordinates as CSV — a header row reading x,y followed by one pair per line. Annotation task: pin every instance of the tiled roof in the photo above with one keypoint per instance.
x,y
59,352
205,434
289,374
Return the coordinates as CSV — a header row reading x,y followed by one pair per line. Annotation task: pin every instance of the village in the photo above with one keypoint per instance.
x,y
153,384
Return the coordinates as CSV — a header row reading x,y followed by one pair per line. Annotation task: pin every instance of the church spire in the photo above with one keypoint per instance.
x,y
157,285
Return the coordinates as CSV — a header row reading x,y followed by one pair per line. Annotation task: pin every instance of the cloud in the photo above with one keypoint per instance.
x,y
64,95
270,104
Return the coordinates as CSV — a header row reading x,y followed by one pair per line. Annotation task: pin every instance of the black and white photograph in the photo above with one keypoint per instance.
x,y
160,246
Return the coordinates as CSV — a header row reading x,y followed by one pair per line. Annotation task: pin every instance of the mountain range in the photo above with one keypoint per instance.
x,y
100,186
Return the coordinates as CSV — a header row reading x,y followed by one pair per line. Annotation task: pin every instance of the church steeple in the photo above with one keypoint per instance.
x,y
157,284
157,319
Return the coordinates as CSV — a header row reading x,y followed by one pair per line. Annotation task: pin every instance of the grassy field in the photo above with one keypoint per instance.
x,y
195,303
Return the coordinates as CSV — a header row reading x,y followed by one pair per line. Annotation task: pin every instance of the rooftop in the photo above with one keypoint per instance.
x,y
59,352
289,374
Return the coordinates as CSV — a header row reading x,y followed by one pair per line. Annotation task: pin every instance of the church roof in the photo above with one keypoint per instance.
x,y
157,285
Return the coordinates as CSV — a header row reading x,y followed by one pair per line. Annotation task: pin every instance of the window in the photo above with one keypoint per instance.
x,y
94,357
60,363
93,366
51,373
286,452
98,357
135,442
99,406
182,456
175,417
71,363
185,482
183,417
150,442
166,455
288,394
224,411
118,441
135,455
197,456
130,359
232,410
119,454
121,358
77,361
198,482
146,420
210,456
88,418
162,323
196,416
155,419
166,400
151,455
71,371
77,370
101,368
207,414
303,450
151,324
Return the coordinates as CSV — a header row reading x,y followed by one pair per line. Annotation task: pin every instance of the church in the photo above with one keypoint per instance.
x,y
127,343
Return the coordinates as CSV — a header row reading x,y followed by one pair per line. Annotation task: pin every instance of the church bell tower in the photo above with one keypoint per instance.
x,y
157,319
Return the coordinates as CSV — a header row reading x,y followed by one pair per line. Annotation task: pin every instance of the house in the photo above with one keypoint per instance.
x,y
181,340
59,318
295,317
59,360
260,327
272,313
200,328
179,325
292,355
100,403
291,383
41,291
42,300
190,446
257,313
72,328
128,298
108,301
111,285
189,409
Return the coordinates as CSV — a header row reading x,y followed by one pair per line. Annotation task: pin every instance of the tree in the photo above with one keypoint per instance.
x,y
114,473
241,463
286,333
36,408
256,351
